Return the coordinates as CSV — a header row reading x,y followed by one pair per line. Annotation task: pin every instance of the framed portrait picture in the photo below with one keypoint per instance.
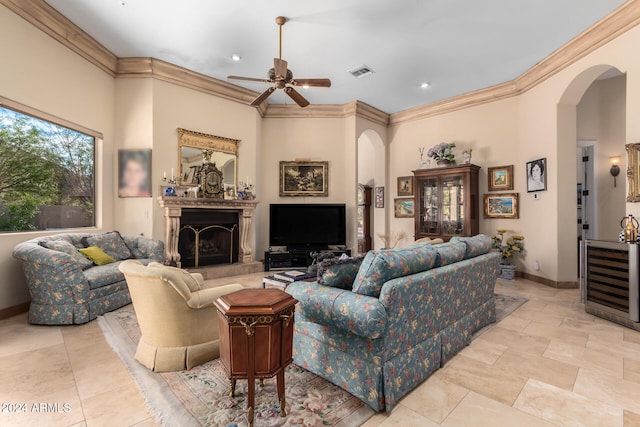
x,y
304,179
379,197
405,186
230,192
403,208
501,205
134,173
501,178
537,175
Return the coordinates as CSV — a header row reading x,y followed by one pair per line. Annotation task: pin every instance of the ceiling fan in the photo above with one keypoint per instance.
x,y
282,78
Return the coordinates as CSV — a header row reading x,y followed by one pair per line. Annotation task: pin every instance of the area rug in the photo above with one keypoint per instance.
x,y
507,304
200,396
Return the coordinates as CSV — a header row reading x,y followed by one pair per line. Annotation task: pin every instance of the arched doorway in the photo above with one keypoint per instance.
x,y
372,171
591,129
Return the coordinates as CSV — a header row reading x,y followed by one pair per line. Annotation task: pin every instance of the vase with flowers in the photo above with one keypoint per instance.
x,y
442,153
508,246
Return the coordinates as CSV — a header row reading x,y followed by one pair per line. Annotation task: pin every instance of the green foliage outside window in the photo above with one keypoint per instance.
x,y
46,174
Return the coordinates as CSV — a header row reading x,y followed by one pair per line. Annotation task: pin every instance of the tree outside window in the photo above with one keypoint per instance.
x,y
46,175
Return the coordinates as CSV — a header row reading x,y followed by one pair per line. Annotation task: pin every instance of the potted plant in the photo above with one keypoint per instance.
x,y
442,153
509,246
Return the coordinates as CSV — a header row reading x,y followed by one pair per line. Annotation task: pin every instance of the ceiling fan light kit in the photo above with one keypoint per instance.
x,y
281,77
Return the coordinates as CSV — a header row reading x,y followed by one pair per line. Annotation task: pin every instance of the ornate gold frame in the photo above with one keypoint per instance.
x,y
633,174
289,184
204,142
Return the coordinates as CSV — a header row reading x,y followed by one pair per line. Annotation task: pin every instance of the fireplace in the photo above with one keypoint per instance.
x,y
208,238
207,232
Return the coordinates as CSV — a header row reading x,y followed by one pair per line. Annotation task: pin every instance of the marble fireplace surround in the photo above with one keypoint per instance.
x,y
173,206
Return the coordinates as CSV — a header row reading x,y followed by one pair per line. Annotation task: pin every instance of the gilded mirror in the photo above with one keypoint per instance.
x,y
633,174
193,146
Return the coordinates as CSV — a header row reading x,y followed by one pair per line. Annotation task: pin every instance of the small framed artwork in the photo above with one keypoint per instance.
x,y
501,178
230,192
403,208
379,197
134,173
501,205
405,186
304,179
537,175
579,194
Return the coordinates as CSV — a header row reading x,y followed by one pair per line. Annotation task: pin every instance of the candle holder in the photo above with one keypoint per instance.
x,y
171,181
246,191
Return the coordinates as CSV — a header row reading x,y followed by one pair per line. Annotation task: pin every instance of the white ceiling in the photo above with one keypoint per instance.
x,y
456,45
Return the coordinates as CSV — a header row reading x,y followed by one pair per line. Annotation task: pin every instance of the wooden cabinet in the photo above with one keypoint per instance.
x,y
364,218
446,202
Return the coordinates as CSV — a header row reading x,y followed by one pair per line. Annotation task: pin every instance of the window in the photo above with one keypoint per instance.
x,y
47,178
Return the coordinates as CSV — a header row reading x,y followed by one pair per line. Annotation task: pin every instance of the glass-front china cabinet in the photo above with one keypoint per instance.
x,y
446,202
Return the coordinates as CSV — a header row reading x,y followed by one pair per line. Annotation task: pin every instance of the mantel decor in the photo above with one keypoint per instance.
x,y
501,205
195,149
302,178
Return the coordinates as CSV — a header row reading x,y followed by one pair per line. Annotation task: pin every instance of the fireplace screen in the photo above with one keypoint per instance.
x,y
208,239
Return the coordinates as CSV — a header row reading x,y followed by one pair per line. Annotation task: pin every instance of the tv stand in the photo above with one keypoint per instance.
x,y
294,259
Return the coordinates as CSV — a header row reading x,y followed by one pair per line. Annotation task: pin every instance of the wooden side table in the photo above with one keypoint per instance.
x,y
256,321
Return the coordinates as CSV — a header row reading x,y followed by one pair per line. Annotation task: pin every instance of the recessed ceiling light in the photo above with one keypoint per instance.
x,y
236,57
425,85
305,86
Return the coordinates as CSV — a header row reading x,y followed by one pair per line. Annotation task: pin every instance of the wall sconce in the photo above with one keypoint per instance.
x,y
615,169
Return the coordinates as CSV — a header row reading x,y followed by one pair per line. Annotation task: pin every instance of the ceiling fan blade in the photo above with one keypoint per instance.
x,y
295,95
249,79
312,82
280,66
264,95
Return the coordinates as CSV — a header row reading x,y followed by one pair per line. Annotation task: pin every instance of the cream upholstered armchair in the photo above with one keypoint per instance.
x,y
177,318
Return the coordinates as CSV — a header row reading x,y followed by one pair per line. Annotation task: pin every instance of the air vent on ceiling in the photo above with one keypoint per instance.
x,y
361,71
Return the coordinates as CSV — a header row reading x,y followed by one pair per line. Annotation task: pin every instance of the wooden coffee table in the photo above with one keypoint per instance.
x,y
256,321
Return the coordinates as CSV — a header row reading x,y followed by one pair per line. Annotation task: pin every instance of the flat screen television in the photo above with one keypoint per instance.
x,y
307,226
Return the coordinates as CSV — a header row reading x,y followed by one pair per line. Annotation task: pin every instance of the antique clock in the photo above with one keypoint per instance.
x,y
211,181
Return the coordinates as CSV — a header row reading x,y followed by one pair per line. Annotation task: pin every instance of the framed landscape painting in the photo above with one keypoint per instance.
x,y
501,178
501,205
304,179
403,208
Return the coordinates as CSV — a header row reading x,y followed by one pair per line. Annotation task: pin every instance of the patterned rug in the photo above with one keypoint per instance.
x,y
200,396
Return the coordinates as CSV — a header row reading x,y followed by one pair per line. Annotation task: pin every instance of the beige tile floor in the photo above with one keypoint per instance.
x,y
547,364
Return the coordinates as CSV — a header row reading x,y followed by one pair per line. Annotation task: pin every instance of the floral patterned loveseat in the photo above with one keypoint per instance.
x,y
380,326
66,287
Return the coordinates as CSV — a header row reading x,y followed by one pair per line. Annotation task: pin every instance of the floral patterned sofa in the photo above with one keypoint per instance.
x,y
66,287
379,326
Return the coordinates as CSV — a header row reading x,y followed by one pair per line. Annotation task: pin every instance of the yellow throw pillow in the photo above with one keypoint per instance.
x,y
96,255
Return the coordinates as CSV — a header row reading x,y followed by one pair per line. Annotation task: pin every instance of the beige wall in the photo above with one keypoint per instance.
x,y
491,130
316,139
39,72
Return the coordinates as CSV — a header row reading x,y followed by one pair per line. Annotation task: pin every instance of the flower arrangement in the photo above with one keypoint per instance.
x,y
508,245
442,151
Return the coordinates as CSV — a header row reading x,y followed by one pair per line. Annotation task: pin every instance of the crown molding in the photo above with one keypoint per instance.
x,y
608,28
354,108
50,21
165,71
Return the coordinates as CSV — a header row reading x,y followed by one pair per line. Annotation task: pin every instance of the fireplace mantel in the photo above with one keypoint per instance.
x,y
173,212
